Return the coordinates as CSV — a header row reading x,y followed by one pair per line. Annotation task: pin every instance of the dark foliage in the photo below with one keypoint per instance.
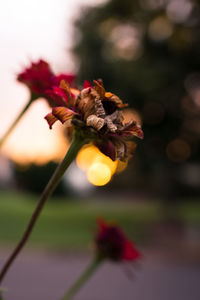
x,y
147,52
34,177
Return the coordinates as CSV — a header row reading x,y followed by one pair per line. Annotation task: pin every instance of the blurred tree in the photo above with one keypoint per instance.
x,y
147,52
34,177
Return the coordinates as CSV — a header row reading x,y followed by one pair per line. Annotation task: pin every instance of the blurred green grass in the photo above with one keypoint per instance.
x,y
71,224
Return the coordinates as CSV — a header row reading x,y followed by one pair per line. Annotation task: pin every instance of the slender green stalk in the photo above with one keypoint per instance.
x,y
3,139
1,297
77,143
82,279
2,291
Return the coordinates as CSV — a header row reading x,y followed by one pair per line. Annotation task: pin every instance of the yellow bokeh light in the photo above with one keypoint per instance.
x,y
91,154
86,157
103,159
98,174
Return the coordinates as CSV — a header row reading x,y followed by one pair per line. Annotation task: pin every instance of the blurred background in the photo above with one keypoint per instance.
x,y
147,52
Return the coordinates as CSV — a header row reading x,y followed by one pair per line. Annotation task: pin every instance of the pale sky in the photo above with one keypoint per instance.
x,y
31,30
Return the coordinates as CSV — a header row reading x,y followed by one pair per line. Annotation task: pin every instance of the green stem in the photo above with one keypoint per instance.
x,y
82,279
3,139
76,145
2,292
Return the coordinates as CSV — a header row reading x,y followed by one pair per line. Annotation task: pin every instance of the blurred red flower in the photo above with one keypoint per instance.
x,y
112,243
39,77
70,78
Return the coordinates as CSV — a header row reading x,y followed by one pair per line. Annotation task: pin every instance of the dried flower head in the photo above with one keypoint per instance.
x,y
111,243
98,114
39,77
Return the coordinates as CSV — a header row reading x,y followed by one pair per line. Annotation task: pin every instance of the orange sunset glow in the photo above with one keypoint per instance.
x,y
32,140
28,35
49,36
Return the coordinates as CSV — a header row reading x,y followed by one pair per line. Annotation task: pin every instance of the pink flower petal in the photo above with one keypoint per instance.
x,y
58,96
67,77
87,84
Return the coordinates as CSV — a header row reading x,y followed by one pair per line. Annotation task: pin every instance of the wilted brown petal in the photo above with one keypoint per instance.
x,y
111,126
115,99
99,88
95,122
132,128
51,119
63,113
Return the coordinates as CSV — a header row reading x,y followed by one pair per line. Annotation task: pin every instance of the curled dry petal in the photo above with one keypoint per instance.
x,y
132,128
59,113
63,113
99,88
51,119
85,105
111,126
65,89
95,122
99,109
116,100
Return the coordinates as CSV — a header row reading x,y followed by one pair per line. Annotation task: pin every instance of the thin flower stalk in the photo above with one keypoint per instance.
x,y
13,125
76,286
76,145
38,77
95,116
110,243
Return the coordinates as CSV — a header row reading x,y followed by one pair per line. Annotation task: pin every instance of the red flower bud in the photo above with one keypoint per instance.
x,y
112,243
